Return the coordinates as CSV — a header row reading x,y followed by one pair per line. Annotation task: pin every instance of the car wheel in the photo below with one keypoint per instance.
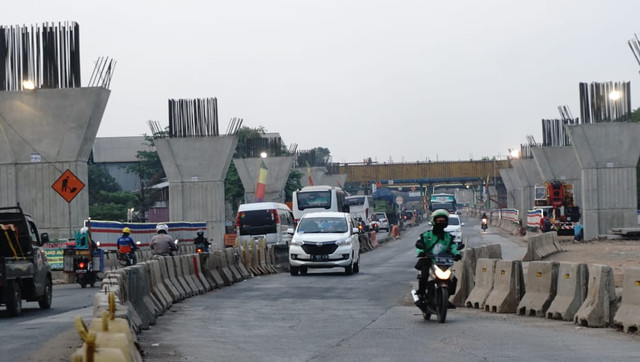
x,y
14,299
348,270
45,301
294,270
356,266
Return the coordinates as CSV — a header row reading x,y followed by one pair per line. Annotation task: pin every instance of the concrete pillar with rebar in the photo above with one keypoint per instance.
x,y
607,154
277,175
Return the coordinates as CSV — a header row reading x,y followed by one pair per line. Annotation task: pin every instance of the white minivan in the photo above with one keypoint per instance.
x,y
264,219
325,240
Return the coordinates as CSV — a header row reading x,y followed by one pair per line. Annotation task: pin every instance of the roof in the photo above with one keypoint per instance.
x,y
118,149
325,214
261,206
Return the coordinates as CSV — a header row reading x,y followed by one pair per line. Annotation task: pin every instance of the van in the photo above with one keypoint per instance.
x,y
317,199
264,219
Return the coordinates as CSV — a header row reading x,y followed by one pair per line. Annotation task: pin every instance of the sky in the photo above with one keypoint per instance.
x,y
397,81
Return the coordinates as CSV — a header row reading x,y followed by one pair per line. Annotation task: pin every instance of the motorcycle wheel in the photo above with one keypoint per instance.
x,y
92,280
82,281
426,316
442,303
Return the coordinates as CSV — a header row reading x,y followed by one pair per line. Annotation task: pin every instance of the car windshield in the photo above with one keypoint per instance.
x,y
323,225
314,199
454,221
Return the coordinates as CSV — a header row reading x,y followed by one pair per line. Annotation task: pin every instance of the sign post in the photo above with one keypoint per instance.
x,y
68,186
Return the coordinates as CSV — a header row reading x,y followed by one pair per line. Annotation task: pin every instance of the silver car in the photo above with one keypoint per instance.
x,y
382,220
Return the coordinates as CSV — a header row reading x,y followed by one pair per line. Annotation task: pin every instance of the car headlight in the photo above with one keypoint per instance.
x,y
297,242
346,241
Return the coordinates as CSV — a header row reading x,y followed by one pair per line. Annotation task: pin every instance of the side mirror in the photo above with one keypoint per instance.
x,y
461,224
176,241
461,246
355,231
44,238
290,231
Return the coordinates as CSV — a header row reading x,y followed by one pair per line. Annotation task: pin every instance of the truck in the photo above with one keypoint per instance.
x,y
555,197
385,201
25,273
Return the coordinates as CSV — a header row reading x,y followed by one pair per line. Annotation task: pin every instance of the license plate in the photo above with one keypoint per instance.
x,y
319,257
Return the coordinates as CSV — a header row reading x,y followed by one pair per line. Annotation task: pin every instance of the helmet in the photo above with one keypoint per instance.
x,y
126,230
84,230
162,227
200,233
439,213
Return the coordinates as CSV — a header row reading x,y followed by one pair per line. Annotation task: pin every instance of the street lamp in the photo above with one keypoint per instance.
x,y
263,154
28,85
614,95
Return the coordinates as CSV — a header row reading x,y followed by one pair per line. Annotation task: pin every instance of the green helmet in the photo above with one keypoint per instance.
x,y
439,213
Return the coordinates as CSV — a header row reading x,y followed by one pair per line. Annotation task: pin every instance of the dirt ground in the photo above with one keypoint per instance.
x,y
616,253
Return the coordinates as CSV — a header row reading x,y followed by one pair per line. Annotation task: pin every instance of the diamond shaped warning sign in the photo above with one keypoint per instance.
x,y
68,185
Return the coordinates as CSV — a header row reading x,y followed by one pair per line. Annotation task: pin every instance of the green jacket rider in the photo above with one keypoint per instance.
x,y
435,241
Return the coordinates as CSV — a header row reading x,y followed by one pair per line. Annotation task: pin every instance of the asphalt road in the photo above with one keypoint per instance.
x,y
328,316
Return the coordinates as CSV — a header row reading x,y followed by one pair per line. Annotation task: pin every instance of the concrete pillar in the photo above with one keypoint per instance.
x,y
320,176
559,163
277,175
607,154
512,184
196,168
58,127
529,176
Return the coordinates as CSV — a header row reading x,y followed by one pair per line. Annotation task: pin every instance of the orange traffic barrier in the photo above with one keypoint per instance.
x,y
395,232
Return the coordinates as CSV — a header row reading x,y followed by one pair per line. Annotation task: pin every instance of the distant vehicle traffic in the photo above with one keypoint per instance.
x,y
325,240
317,199
382,220
360,206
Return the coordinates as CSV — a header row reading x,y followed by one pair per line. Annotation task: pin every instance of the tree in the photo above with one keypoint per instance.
x,y
293,184
107,201
150,171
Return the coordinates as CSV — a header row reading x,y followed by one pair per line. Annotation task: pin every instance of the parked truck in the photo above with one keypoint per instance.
x,y
385,201
25,273
554,197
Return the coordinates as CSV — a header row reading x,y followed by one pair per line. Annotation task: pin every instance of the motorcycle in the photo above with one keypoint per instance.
x,y
440,284
83,269
484,224
201,248
374,225
126,255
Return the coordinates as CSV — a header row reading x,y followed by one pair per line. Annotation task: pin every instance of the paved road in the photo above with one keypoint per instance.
x,y
328,316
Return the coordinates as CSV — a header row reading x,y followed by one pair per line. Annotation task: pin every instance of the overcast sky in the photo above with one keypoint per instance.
x,y
392,80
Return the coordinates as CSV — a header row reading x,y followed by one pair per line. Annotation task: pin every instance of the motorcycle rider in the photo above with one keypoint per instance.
x,y
435,241
126,245
201,240
162,243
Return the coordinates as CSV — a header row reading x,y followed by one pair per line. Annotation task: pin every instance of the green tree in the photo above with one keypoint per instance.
x,y
150,171
293,184
100,180
107,201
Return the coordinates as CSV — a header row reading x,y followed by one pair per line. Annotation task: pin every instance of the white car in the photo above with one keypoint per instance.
x,y
325,240
382,220
455,227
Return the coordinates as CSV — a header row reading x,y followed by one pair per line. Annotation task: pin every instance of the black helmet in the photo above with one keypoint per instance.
x,y
200,233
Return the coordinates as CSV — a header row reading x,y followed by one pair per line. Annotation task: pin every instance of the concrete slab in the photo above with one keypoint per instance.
x,y
277,175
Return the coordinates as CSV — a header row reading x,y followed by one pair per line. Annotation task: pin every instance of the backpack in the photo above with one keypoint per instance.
x,y
546,225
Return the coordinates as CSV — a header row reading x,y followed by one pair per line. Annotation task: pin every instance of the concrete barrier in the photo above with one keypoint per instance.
x,y
599,307
211,271
156,286
508,287
484,274
221,263
185,261
541,246
177,282
229,254
464,272
196,267
138,290
166,281
114,283
571,291
542,283
628,315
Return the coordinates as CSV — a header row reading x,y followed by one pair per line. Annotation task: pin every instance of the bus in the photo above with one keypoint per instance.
x,y
318,198
443,201
360,206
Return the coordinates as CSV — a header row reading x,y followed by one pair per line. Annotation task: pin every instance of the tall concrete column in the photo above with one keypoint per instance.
x,y
529,176
277,175
320,176
512,184
608,156
196,168
45,132
559,163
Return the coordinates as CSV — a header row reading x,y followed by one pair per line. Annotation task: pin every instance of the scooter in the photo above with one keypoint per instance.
x,y
201,248
440,284
83,269
125,255
484,224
